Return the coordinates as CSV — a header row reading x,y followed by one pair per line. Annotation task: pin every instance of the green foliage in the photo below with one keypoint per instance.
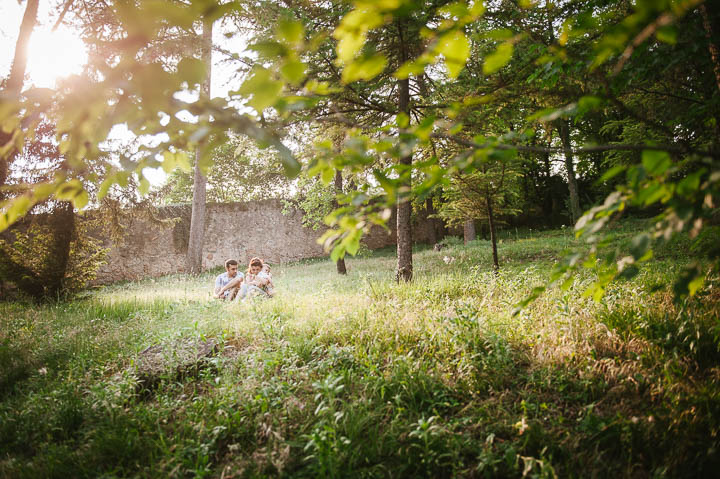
x,y
315,199
467,196
32,262
487,79
240,172
687,203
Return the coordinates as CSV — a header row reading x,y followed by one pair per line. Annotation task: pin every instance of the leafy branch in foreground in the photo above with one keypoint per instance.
x,y
489,76
689,205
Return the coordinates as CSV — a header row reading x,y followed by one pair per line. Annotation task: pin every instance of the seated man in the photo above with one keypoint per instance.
x,y
228,283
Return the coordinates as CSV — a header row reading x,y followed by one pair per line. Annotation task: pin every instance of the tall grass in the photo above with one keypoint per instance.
x,y
358,376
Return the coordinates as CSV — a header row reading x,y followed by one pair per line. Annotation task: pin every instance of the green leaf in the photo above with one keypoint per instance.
x,y
455,47
500,34
690,184
589,103
169,162
689,282
534,294
695,284
144,186
639,245
192,70
656,162
498,59
667,34
68,190
262,89
365,68
18,207
104,187
291,31
352,242
611,173
81,199
402,120
183,162
415,67
74,192
269,49
327,175
352,31
293,71
337,253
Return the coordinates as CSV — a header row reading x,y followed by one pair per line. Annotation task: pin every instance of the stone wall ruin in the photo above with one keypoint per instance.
x,y
232,230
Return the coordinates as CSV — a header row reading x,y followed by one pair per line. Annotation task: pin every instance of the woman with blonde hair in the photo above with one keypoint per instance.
x,y
254,282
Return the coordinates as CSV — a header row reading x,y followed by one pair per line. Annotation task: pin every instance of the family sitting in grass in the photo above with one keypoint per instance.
x,y
232,285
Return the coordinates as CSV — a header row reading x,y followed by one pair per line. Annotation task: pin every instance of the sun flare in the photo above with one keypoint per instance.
x,y
54,55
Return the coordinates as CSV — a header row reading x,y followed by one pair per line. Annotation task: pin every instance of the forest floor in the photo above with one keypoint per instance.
x,y
358,376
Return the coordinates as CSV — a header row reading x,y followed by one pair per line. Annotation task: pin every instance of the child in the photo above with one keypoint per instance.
x,y
265,280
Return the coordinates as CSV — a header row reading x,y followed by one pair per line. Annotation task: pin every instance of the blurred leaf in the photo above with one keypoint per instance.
x,y
16,208
639,245
144,186
402,120
262,89
691,183
612,173
667,34
455,47
498,59
192,70
656,162
365,68
352,31
291,31
293,71
169,162
269,49
414,67
589,103
182,160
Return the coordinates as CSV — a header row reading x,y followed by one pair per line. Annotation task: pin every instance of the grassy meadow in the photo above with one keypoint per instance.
x,y
358,376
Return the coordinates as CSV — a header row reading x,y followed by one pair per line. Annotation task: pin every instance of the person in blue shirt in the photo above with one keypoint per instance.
x,y
228,283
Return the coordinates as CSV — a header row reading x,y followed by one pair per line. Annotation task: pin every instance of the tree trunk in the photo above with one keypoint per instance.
x,y
715,57
564,131
341,269
547,190
430,211
197,217
14,84
19,64
493,236
404,208
712,46
62,225
469,231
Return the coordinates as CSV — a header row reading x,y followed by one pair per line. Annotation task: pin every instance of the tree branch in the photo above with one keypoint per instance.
x,y
577,151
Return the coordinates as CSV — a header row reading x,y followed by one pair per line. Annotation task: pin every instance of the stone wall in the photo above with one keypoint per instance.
x,y
232,230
